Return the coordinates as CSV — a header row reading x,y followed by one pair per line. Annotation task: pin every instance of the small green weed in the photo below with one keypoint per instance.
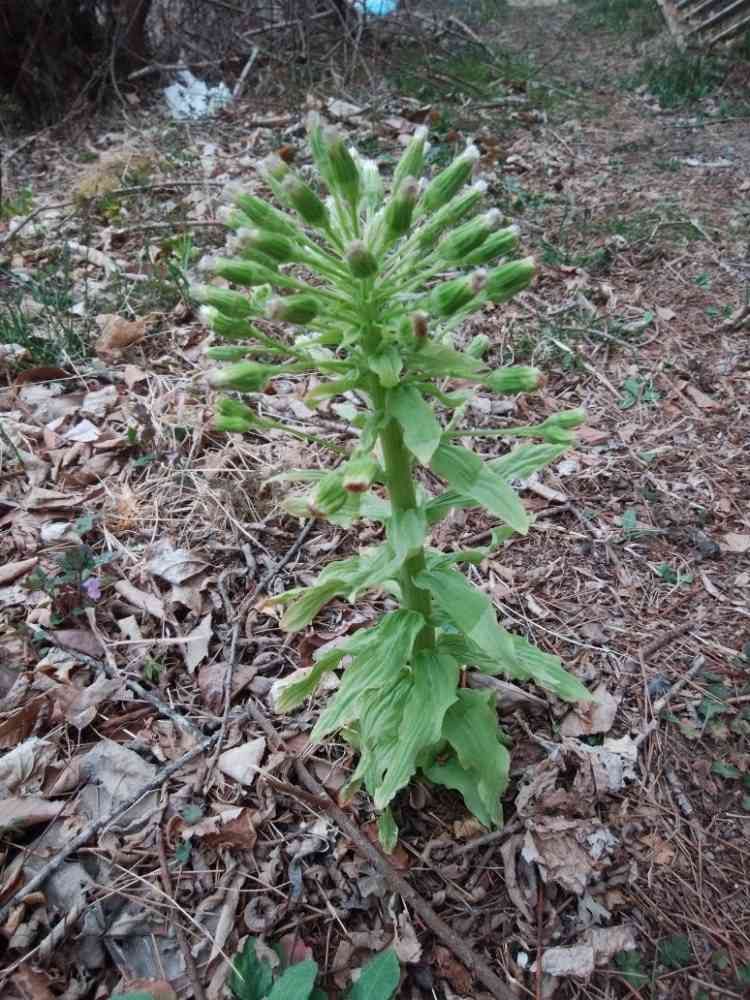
x,y
255,976
49,331
640,19
680,78
20,204
75,583
672,576
637,390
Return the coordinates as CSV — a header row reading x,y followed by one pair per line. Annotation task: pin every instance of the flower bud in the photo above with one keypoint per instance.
x,y
457,245
498,244
447,299
450,215
266,216
344,173
372,184
359,472
328,496
233,417
411,163
232,217
449,182
274,167
361,261
233,304
504,282
245,376
400,209
302,197
478,346
419,326
517,378
228,327
299,309
271,245
244,272
568,419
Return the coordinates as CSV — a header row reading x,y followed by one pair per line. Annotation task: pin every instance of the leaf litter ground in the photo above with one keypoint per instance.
x,y
137,543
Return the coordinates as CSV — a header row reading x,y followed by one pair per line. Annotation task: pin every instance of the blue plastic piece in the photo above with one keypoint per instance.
x,y
379,7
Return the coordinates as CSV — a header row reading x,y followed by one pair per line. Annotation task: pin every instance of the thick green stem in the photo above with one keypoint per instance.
x,y
398,470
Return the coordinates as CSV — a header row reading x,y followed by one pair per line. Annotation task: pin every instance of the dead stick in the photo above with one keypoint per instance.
x,y
92,828
661,703
378,860
192,969
663,640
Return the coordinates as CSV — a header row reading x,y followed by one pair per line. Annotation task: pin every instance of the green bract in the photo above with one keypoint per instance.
x,y
378,282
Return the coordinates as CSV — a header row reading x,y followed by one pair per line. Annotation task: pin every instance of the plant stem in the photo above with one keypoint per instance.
x,y
398,470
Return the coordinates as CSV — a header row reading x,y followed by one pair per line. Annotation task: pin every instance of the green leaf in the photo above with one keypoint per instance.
x,y
743,974
375,667
250,978
387,831
725,770
296,693
675,952
526,663
379,978
138,995
406,532
480,767
387,365
631,970
469,610
437,359
297,983
419,425
434,682
450,774
302,611
468,474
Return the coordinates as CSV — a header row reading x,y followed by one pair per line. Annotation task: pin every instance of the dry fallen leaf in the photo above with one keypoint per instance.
x,y
600,945
11,571
732,542
242,762
117,334
195,648
592,717
18,813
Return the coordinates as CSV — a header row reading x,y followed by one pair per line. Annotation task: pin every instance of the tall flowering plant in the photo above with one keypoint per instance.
x,y
373,282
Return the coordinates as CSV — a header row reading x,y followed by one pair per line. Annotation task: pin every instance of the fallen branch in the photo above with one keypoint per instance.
x,y
96,825
661,703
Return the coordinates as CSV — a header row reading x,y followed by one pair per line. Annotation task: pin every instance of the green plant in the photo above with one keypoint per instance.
x,y
395,275
20,204
252,977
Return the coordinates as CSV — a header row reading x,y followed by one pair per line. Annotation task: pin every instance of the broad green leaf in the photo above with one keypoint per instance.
x,y
296,693
433,358
387,831
469,610
250,978
469,475
387,365
519,464
418,422
379,978
450,774
434,682
522,462
302,611
547,671
379,724
406,532
470,726
376,666
526,663
297,983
